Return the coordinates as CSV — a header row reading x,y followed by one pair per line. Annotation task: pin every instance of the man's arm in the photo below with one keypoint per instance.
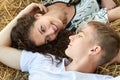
x,y
5,33
8,55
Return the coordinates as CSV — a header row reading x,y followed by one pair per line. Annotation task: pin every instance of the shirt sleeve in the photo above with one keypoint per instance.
x,y
101,16
28,58
116,78
88,76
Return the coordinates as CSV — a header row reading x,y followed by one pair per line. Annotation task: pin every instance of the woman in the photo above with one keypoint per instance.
x,y
97,50
68,16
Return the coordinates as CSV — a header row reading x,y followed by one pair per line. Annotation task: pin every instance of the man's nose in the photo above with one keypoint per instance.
x,y
71,37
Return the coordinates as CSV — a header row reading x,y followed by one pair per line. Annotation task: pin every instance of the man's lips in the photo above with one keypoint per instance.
x,y
69,45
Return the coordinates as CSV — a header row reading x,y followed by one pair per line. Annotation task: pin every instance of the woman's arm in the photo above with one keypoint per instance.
x,y
109,4
115,59
8,55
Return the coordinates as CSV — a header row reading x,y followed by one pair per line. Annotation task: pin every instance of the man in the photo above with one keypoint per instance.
x,y
18,60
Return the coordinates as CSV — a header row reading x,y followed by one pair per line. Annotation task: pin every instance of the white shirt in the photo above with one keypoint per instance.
x,y
41,67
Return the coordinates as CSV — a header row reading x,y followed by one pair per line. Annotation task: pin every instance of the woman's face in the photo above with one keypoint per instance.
x,y
45,29
80,43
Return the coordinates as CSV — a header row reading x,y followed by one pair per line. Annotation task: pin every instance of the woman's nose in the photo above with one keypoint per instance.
x,y
51,34
50,31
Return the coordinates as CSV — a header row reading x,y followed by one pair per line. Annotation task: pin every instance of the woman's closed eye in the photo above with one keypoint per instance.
x,y
42,29
47,40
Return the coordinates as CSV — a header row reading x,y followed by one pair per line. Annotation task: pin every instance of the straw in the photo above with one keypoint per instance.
x,y
9,9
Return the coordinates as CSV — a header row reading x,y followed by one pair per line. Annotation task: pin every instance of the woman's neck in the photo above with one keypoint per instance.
x,y
62,9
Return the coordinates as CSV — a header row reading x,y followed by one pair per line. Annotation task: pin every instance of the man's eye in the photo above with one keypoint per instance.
x,y
79,35
42,29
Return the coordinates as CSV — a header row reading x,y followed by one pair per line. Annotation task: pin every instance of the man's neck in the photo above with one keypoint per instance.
x,y
81,67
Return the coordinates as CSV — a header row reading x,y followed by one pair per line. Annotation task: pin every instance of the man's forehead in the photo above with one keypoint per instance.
x,y
82,26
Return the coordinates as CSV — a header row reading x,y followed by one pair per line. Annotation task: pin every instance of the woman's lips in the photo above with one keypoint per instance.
x,y
55,28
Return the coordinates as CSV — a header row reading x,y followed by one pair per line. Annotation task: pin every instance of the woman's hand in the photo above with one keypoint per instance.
x,y
109,4
115,59
31,7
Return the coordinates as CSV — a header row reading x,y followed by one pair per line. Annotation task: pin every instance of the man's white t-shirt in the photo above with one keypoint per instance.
x,y
41,67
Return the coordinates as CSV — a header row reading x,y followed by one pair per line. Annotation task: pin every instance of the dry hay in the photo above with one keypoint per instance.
x,y
9,9
113,70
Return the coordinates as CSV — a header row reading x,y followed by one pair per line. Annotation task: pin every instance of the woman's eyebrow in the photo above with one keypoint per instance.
x,y
39,29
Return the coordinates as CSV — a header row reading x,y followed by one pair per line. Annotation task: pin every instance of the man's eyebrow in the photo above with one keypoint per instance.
x,y
81,32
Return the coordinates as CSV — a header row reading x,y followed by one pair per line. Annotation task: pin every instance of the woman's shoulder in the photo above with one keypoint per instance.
x,y
48,2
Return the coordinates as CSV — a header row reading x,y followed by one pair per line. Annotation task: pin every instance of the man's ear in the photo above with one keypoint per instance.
x,y
37,15
95,50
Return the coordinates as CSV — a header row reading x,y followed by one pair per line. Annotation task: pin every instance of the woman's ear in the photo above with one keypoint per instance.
x,y
37,15
95,50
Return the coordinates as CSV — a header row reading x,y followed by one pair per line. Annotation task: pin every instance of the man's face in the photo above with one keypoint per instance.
x,y
81,43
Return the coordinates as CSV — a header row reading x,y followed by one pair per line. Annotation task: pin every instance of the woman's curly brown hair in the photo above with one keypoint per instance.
x,y
20,39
